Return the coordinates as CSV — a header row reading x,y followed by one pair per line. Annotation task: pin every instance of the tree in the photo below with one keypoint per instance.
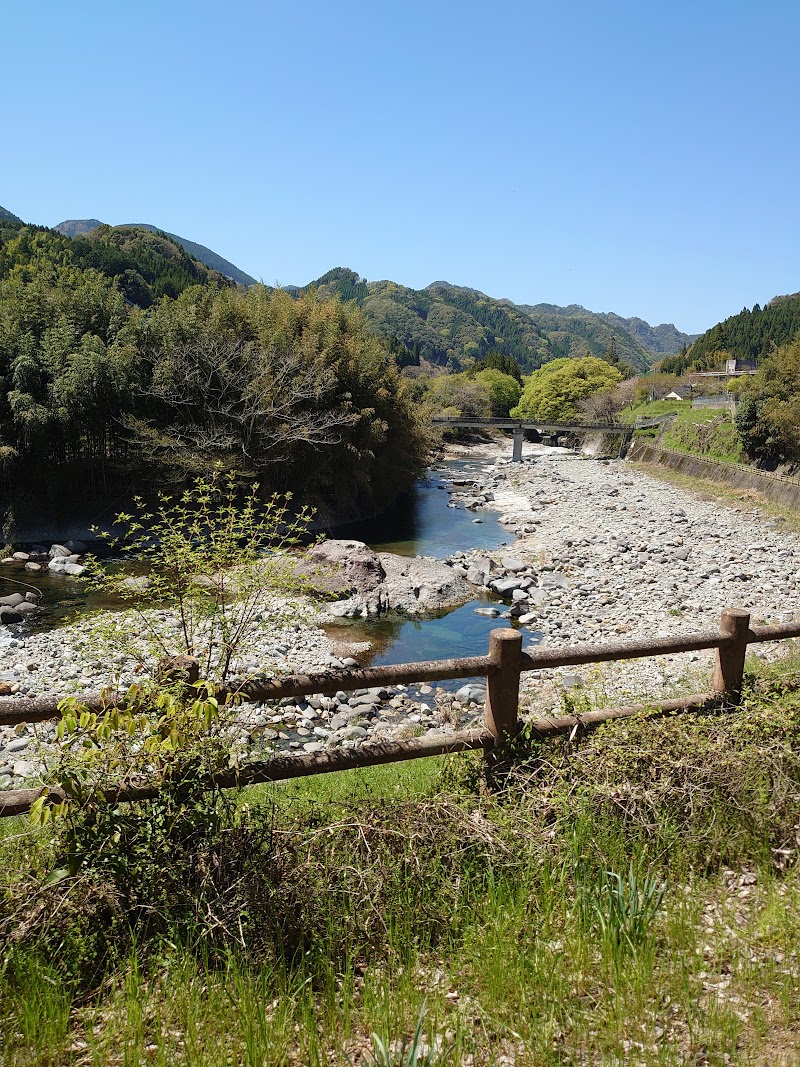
x,y
768,418
459,396
500,361
504,391
554,392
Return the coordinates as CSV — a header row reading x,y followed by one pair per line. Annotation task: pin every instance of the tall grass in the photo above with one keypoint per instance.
x,y
593,912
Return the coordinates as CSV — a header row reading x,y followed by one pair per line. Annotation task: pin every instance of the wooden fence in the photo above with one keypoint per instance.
x,y
502,668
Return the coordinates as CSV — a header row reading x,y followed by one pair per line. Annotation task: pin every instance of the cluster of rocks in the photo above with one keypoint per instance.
x,y
15,606
397,712
61,559
527,587
314,724
58,559
630,556
484,488
370,584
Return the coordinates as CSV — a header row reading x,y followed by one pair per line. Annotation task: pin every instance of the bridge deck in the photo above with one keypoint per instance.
x,y
533,424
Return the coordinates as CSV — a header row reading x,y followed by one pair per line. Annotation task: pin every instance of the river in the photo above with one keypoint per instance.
x,y
419,523
422,524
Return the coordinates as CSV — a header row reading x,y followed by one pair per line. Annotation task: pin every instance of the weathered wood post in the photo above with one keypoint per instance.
x,y
502,696
734,625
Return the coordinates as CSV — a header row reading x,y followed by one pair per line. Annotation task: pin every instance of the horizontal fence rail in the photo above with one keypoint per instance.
x,y
532,424
502,668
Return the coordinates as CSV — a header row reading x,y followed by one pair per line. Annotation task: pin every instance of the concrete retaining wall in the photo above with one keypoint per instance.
x,y
776,489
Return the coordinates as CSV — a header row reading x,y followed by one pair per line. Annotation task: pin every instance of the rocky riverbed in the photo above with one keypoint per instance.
x,y
602,551
627,555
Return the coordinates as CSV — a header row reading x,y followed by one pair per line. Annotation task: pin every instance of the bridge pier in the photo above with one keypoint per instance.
x,y
516,455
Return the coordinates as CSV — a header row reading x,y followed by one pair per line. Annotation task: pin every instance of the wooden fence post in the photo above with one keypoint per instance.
x,y
734,625
502,684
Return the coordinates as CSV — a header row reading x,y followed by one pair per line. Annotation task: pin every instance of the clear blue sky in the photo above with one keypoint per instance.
x,y
632,157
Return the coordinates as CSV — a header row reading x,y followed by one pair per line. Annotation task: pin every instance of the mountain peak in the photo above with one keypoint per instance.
x,y
7,216
73,227
79,227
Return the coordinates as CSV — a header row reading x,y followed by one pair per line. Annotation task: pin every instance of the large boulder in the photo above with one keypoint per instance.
x,y
417,585
357,568
412,585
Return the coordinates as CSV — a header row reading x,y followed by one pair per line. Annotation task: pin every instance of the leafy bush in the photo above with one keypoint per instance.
x,y
214,553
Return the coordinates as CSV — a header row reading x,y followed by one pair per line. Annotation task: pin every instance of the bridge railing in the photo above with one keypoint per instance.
x,y
532,424
502,667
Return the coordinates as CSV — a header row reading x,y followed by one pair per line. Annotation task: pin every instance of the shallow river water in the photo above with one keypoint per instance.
x,y
419,523
422,524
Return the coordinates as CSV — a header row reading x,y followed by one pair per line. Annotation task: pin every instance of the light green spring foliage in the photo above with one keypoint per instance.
x,y
504,391
554,392
172,738
768,418
474,394
215,554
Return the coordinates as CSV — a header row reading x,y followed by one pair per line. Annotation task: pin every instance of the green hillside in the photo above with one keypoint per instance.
x,y
747,337
205,255
573,331
449,324
6,216
78,227
663,340
146,265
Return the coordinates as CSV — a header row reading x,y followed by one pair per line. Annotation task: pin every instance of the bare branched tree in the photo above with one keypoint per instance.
x,y
247,404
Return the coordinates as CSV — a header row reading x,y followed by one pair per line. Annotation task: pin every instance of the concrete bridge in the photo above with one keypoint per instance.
x,y
518,427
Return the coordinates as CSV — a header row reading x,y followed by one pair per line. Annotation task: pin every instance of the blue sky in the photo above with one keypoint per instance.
x,y
632,157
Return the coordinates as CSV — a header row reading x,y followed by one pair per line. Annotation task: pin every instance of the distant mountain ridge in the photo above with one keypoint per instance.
x,y
443,324
6,216
80,227
663,340
447,324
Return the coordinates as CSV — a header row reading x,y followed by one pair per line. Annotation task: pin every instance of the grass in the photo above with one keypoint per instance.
x,y
630,897
707,432
650,409
704,432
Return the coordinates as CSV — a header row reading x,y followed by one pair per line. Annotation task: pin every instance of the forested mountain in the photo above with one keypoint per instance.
x,y
76,227
6,216
663,340
574,331
146,265
449,324
748,336
125,364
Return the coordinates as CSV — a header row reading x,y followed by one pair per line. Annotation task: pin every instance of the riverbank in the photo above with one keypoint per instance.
x,y
605,551
641,558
